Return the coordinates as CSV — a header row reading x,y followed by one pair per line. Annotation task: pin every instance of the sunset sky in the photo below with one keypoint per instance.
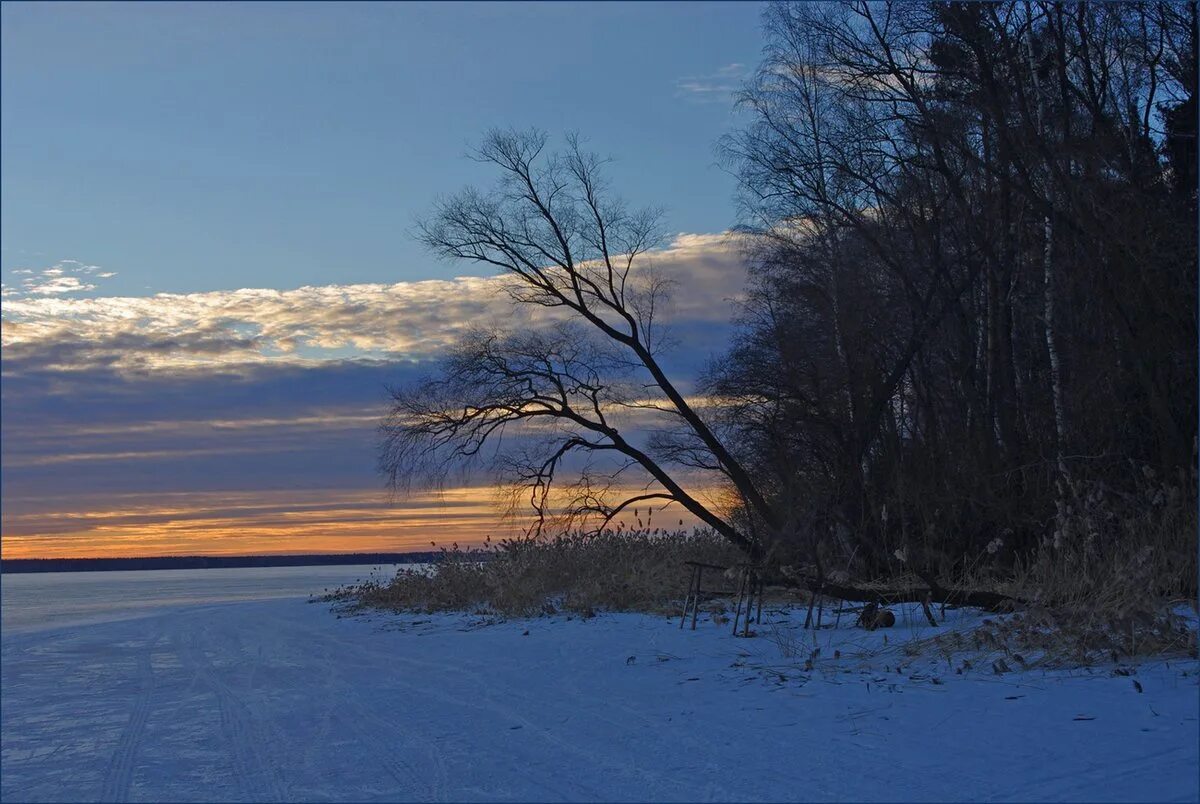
x,y
209,273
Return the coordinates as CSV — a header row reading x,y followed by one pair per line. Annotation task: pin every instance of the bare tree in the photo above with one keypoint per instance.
x,y
565,244
975,267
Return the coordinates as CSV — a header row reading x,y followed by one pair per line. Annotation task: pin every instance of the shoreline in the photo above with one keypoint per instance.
x,y
14,566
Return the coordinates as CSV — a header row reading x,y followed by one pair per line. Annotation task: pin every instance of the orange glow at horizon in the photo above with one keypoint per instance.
x,y
265,523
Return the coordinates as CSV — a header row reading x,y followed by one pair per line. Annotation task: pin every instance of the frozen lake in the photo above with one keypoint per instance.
x,y
187,685
37,600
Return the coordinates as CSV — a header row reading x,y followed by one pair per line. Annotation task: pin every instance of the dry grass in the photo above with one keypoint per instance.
x,y
1116,580
615,570
1112,581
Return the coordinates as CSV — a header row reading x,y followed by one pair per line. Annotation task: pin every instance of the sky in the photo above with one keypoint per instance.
x,y
208,263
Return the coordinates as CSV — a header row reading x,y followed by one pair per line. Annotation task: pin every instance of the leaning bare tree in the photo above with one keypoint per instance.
x,y
567,387
564,243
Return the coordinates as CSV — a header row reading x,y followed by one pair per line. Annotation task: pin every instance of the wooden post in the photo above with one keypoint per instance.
x,y
737,612
808,618
761,586
750,587
688,597
695,590
750,584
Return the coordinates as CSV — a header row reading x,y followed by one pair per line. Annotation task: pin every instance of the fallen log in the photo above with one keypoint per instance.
x,y
932,592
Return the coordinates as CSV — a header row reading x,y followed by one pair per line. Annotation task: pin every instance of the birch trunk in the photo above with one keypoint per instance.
x,y
1060,424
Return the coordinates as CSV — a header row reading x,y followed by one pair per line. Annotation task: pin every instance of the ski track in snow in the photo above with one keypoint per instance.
x,y
120,773
280,700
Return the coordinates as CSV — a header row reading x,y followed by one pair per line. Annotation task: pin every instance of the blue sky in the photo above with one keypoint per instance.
x,y
208,269
207,146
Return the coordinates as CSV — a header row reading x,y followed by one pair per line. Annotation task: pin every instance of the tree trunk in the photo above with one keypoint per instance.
x,y
933,592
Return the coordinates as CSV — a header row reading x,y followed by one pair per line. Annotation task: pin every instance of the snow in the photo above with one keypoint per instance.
x,y
281,699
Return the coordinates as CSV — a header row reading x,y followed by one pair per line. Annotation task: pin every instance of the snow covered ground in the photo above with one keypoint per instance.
x,y
281,700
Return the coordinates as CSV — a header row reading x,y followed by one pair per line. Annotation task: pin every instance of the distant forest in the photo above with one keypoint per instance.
x,y
972,325
13,565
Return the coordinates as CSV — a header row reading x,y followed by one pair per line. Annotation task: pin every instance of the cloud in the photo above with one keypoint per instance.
x,y
258,521
276,521
716,87
59,279
124,403
83,441
400,321
53,284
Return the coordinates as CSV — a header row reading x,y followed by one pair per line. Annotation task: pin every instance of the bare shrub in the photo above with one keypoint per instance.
x,y
1109,549
1115,580
1110,581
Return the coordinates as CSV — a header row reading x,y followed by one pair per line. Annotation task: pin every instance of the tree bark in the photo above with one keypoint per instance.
x,y
935,593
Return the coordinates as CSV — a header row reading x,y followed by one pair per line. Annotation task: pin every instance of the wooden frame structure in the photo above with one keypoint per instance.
x,y
749,591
